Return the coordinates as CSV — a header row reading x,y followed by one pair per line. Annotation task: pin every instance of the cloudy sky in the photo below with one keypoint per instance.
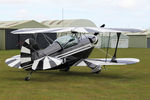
x,y
114,13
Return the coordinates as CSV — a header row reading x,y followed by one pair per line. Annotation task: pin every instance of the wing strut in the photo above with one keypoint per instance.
x,y
114,57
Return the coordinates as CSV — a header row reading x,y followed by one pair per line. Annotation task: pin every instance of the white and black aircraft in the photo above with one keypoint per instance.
x,y
65,51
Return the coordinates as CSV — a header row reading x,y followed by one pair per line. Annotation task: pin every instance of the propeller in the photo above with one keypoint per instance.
x,y
102,26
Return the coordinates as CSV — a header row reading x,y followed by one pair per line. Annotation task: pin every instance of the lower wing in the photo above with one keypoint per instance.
x,y
119,61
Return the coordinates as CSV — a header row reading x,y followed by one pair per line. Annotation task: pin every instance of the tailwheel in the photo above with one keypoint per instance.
x,y
28,76
97,69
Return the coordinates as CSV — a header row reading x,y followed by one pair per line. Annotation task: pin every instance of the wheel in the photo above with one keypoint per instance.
x,y
97,72
27,78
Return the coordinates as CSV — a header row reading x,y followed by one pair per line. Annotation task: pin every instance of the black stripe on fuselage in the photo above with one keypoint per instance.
x,y
71,60
74,51
25,55
26,64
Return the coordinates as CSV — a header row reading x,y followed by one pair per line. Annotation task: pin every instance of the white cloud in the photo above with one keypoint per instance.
x,y
133,4
113,12
25,14
82,4
12,1
127,3
22,14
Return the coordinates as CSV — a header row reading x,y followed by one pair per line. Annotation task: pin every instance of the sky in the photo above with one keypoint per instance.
x,y
113,13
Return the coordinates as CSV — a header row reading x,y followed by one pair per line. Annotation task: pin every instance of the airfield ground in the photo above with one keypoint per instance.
x,y
130,82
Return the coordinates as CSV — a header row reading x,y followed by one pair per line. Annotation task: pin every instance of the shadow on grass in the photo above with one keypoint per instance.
x,y
56,76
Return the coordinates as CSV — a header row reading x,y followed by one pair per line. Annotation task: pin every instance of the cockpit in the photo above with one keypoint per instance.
x,y
67,41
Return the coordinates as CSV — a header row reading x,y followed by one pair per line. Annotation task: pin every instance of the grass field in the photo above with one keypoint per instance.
x,y
130,82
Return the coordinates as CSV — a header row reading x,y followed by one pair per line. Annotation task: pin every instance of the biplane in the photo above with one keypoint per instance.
x,y
66,51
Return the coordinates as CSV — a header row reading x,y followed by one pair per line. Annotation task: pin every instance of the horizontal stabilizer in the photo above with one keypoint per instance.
x,y
14,61
39,64
120,61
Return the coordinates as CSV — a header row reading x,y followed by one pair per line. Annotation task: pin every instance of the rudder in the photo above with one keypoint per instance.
x,y
27,49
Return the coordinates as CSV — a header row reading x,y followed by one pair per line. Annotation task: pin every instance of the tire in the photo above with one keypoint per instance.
x,y
97,72
27,78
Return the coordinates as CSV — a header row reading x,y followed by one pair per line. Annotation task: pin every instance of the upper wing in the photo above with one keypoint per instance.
x,y
41,30
120,61
73,29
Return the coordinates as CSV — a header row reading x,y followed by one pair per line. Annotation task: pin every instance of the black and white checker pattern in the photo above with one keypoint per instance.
x,y
46,63
26,50
13,61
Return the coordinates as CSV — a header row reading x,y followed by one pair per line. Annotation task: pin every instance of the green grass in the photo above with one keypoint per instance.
x,y
130,82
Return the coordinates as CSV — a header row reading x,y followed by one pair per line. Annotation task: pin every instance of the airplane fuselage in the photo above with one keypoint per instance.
x,y
70,55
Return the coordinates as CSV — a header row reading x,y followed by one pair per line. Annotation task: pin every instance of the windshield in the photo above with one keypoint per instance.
x,y
67,41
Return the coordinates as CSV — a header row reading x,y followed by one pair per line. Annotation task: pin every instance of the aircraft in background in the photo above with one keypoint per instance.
x,y
66,51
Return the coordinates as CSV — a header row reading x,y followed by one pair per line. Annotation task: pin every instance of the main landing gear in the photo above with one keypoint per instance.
x,y
97,72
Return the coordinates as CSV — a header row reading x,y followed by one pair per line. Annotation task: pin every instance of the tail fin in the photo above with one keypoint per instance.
x,y
27,49
27,61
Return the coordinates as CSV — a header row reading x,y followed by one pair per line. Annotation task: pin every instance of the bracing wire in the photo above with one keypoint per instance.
x,y
108,55
47,39
105,52
35,37
107,47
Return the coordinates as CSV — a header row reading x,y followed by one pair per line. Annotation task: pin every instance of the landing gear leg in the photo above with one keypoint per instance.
x,y
104,67
28,76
